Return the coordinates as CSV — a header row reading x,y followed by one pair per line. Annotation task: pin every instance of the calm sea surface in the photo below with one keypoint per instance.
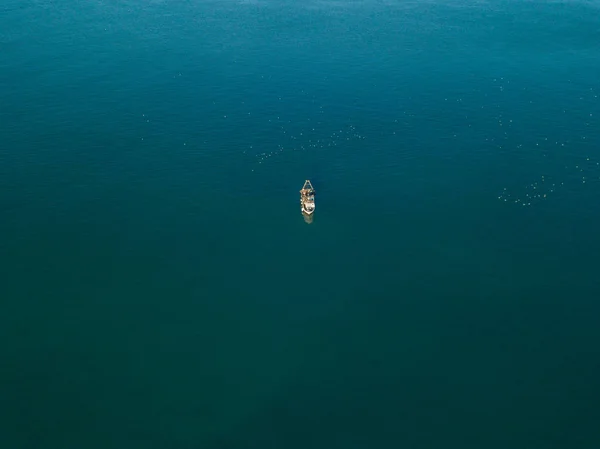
x,y
160,288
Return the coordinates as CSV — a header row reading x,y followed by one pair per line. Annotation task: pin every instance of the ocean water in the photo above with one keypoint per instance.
x,y
160,288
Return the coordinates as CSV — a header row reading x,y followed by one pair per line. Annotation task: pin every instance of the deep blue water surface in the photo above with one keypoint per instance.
x,y
160,288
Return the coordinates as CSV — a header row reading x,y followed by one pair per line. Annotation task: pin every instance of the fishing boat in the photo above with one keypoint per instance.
x,y
307,198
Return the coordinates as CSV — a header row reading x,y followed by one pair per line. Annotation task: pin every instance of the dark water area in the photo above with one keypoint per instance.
x,y
160,288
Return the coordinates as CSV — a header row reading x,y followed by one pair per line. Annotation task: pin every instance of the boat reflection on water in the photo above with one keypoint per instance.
x,y
308,217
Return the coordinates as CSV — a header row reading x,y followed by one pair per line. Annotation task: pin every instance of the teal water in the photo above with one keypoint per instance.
x,y
160,288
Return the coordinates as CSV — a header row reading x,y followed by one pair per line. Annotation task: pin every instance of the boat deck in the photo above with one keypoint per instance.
x,y
307,198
